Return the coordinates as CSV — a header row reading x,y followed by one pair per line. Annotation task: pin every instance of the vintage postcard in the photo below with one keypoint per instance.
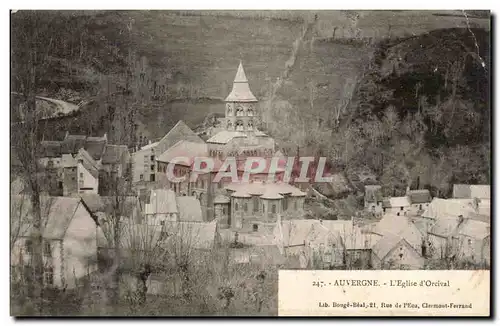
x,y
250,163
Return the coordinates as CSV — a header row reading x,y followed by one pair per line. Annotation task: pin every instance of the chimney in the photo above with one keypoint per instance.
x,y
149,141
67,134
407,190
105,136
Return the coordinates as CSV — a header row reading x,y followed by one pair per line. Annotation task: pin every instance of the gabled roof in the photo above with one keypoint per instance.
x,y
445,227
475,229
388,242
180,131
241,91
57,213
225,136
420,196
440,207
400,201
95,146
186,149
88,162
189,209
161,201
68,161
72,143
113,154
471,191
400,226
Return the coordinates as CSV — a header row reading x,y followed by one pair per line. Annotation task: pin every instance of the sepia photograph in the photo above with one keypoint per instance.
x,y
250,162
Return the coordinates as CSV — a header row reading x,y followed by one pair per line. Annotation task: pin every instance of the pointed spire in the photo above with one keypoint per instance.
x,y
240,75
241,91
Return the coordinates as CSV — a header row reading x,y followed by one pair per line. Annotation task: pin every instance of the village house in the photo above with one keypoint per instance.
x,y
71,164
394,252
164,206
419,199
473,241
144,169
397,205
373,199
69,239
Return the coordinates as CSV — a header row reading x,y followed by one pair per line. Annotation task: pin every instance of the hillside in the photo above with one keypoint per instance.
x,y
174,61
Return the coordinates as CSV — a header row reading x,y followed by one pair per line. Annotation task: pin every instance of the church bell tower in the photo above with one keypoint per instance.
x,y
241,107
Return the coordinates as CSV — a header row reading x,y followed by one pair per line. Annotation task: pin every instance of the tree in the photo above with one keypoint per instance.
x,y
30,54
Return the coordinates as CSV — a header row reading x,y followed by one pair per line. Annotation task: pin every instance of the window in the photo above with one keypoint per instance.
x,y
245,207
50,164
255,228
285,203
469,242
152,158
255,204
250,111
236,207
81,174
48,275
263,208
162,222
141,177
80,161
295,205
73,178
273,208
420,207
152,177
152,167
28,246
401,208
239,125
47,250
224,210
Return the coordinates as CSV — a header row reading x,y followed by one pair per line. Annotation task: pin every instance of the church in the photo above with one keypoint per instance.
x,y
240,206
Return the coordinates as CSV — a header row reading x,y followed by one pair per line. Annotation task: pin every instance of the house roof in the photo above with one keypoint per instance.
x,y
440,207
93,202
88,162
475,229
189,209
480,191
445,226
68,161
72,143
420,196
400,226
471,191
183,148
400,201
373,193
95,147
180,131
241,91
388,242
161,201
148,146
57,213
113,154
225,136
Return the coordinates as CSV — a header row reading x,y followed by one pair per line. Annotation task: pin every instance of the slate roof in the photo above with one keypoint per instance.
x,y
113,154
95,147
161,201
189,209
384,246
475,229
88,162
186,149
471,191
241,91
93,202
72,143
68,161
400,201
420,196
180,131
400,226
57,213
225,136
445,227
373,193
440,207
